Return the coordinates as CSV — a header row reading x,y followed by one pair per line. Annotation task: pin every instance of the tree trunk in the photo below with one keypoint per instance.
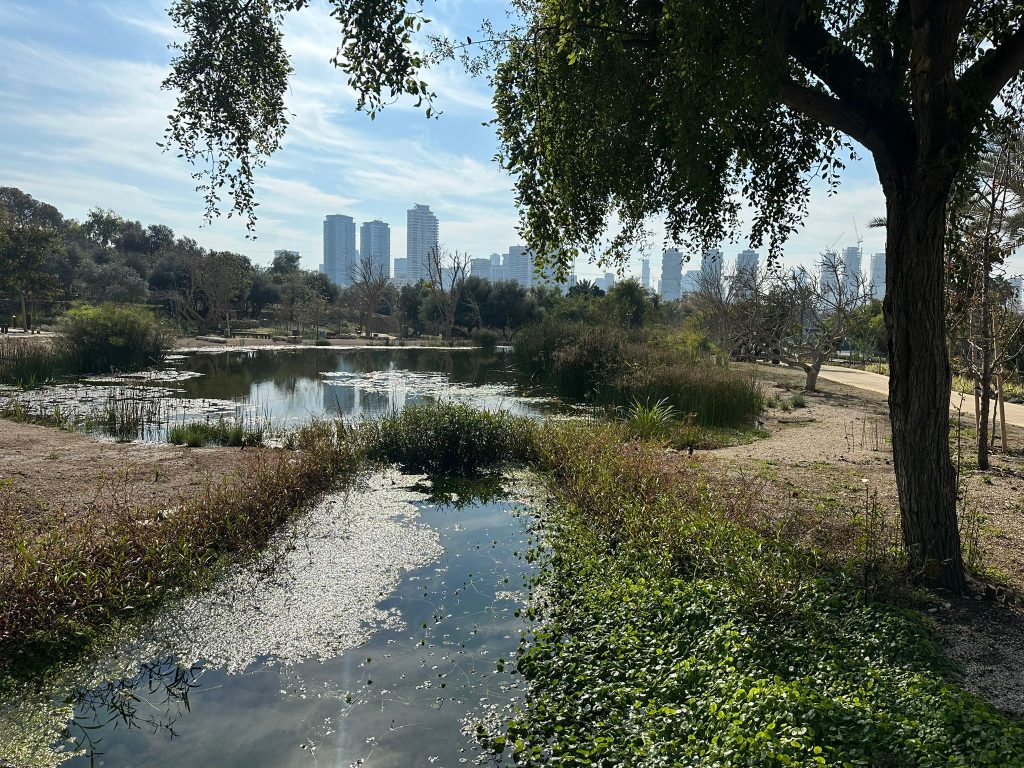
x,y
812,378
985,379
920,379
24,314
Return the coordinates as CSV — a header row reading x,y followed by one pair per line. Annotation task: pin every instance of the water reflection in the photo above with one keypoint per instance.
x,y
153,700
293,386
408,696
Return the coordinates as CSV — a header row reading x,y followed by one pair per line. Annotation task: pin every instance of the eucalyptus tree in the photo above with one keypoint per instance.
x,y
686,109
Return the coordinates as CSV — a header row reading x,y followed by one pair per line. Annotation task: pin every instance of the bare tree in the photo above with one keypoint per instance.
x,y
798,318
821,308
369,286
446,274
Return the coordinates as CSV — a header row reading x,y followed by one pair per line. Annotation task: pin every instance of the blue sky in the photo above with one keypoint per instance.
x,y
83,112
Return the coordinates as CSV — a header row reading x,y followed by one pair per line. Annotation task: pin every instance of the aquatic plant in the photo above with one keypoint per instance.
x,y
234,433
449,438
28,362
110,337
648,421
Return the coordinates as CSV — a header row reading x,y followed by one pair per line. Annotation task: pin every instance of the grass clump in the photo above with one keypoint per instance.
x,y
28,363
682,626
449,438
198,434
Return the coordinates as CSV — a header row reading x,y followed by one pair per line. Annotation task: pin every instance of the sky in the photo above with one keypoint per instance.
x,y
83,113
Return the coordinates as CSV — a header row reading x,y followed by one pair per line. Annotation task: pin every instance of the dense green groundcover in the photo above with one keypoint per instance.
x,y
660,647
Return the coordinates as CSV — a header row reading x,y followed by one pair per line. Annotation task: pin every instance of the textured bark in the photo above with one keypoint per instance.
x,y
920,379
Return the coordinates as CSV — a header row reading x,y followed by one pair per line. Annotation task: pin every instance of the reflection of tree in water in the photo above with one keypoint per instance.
x,y
154,699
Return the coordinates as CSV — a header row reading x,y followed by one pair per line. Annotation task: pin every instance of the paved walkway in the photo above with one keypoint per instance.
x,y
875,382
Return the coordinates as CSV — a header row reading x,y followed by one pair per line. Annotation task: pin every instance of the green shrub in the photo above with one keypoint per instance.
x,y
110,337
197,434
486,338
798,400
449,438
611,366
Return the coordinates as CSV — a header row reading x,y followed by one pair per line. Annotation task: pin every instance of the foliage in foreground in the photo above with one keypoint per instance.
x,y
678,633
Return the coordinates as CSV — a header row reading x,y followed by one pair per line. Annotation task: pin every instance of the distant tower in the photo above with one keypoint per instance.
x,y
375,245
831,273
480,268
671,274
518,265
421,236
851,268
645,272
711,265
878,276
747,261
340,253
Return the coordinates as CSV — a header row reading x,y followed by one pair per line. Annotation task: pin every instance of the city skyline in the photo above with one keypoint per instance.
x,y
100,70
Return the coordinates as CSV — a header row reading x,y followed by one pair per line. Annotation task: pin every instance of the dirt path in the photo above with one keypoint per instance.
x,y
875,382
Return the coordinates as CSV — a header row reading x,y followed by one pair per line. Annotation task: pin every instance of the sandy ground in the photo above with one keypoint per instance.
x,y
50,471
837,455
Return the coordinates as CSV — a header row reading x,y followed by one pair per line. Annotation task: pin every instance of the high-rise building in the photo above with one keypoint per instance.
x,y
851,268
711,265
645,272
340,253
671,274
480,268
375,245
878,276
831,274
747,261
421,236
689,282
401,275
606,281
518,265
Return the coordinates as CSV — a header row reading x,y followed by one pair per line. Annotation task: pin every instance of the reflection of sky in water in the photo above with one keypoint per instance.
x,y
431,657
293,387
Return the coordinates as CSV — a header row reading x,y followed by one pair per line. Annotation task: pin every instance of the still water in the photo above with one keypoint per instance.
x,y
381,636
278,390
358,382
377,631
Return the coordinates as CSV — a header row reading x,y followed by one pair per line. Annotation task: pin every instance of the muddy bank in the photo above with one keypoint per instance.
x,y
49,471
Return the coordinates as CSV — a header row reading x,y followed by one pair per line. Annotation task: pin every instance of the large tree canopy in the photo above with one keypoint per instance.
x,y
687,110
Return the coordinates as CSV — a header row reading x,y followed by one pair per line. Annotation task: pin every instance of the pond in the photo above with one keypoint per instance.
x,y
276,390
379,634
